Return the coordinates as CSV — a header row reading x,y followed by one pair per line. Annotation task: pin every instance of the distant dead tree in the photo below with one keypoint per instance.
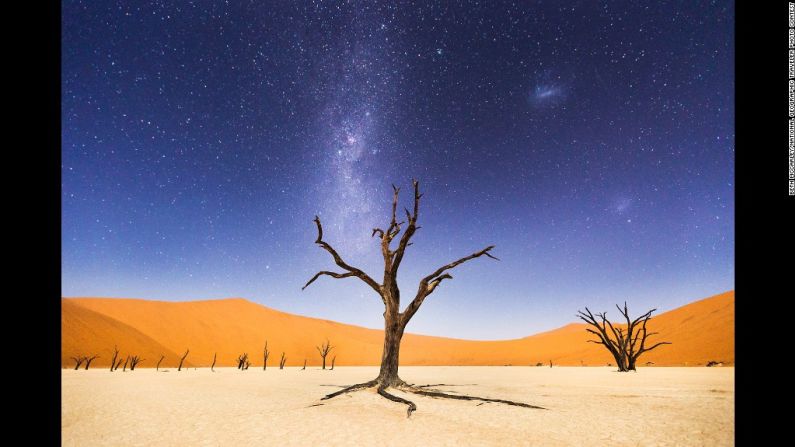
x,y
134,361
332,362
115,356
540,364
125,364
78,361
241,361
550,363
625,344
304,365
118,364
282,361
212,367
248,363
90,359
182,359
324,349
158,362
265,355
395,321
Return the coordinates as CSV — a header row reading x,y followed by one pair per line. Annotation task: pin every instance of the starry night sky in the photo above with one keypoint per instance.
x,y
592,143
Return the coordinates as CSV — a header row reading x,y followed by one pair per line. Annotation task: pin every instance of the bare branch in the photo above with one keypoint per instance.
x,y
428,284
333,274
338,260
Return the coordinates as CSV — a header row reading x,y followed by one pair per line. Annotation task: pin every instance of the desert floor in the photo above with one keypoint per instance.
x,y
584,406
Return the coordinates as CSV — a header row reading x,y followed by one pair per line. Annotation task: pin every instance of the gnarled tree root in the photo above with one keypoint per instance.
x,y
421,390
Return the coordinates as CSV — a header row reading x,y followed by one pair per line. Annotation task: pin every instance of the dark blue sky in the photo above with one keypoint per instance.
x,y
592,143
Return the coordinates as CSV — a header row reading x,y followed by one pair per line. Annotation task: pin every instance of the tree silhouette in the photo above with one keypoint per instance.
x,y
212,367
332,362
134,361
182,359
626,344
282,361
78,361
90,359
157,368
324,349
265,355
395,321
115,356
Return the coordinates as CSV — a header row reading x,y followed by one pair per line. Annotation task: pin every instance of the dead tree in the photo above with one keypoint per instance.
x,y
212,367
115,356
324,349
241,361
134,361
332,362
282,361
90,359
625,344
158,362
248,363
265,355
304,365
182,360
395,321
125,364
78,361
118,364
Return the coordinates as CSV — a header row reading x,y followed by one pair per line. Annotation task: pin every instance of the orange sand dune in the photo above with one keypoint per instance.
x,y
700,331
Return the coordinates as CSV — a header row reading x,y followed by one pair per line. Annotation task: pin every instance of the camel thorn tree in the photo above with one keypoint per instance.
x,y
282,361
78,361
324,349
241,361
212,367
332,362
387,290
90,359
125,364
134,361
115,356
626,344
304,365
265,355
182,360
157,368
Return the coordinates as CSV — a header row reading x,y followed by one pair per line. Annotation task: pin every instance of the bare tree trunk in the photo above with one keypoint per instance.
x,y
78,361
212,367
117,364
265,355
304,365
182,360
115,356
282,361
125,364
332,362
158,362
390,356
90,359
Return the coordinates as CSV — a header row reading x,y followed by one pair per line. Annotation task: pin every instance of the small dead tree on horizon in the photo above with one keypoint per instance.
x,y
395,321
134,361
182,359
324,349
241,361
623,344
90,359
212,367
304,365
332,362
124,369
282,361
118,364
115,356
265,355
78,361
157,368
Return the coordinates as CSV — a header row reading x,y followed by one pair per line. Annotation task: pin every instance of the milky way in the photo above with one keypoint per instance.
x,y
593,144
